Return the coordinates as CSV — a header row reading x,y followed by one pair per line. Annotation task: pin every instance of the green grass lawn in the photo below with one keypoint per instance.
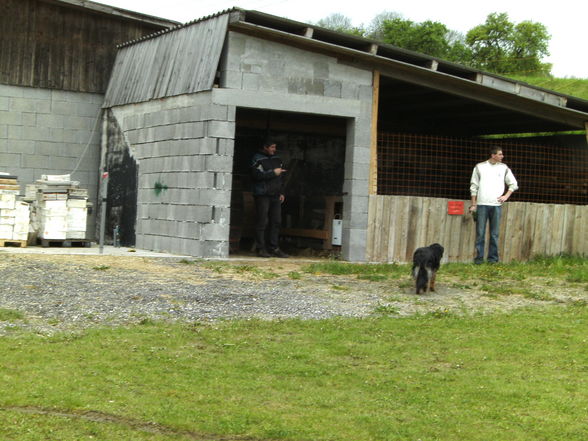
x,y
517,376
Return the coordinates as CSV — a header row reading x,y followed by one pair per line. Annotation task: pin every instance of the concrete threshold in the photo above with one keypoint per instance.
x,y
93,250
109,250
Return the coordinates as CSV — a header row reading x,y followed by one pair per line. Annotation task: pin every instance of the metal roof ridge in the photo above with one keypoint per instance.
x,y
179,26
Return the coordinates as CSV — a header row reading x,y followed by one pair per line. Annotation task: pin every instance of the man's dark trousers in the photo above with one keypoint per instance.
x,y
269,217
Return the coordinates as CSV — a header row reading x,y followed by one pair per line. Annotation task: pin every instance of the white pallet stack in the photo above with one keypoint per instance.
x,y
60,208
7,207
52,216
14,214
21,221
77,215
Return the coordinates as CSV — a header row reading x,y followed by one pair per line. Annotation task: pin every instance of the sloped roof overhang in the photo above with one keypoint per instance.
x,y
556,111
504,104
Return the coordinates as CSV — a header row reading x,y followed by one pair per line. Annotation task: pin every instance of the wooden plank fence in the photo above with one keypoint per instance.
x,y
397,225
67,45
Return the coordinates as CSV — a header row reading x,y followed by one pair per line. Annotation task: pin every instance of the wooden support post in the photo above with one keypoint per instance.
x,y
373,183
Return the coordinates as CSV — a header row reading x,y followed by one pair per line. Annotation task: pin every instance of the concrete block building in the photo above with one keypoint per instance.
x,y
188,107
55,62
372,135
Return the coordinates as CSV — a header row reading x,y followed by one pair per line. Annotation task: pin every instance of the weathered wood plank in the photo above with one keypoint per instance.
x,y
557,229
580,239
182,61
68,48
303,232
568,233
390,205
403,223
511,223
507,228
541,225
374,134
14,243
466,238
402,220
423,236
545,235
414,218
377,242
529,231
503,247
454,238
385,230
369,246
583,238
435,225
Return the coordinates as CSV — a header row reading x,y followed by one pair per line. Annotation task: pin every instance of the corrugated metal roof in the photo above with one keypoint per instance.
x,y
180,26
180,61
134,79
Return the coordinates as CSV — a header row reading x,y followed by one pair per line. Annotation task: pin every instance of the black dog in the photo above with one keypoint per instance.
x,y
425,263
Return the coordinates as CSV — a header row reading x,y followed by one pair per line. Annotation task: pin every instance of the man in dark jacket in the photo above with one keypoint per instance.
x,y
267,172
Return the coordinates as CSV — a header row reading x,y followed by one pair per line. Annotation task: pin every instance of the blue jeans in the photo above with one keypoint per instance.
x,y
487,214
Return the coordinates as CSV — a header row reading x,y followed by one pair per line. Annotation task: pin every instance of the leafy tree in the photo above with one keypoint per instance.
x,y
398,32
503,47
530,46
459,51
340,23
375,29
498,45
428,37
431,38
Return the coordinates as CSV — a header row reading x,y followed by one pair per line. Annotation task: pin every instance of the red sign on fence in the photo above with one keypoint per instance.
x,y
455,207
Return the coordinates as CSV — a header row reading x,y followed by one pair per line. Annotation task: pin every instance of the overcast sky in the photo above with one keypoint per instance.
x,y
566,20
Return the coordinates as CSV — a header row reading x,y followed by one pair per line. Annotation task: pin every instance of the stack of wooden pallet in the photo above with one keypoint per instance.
x,y
14,213
60,208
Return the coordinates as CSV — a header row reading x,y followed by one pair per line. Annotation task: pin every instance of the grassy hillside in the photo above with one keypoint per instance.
x,y
570,86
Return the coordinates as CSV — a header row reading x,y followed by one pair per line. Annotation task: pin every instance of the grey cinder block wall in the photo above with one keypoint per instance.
x,y
263,74
183,147
45,131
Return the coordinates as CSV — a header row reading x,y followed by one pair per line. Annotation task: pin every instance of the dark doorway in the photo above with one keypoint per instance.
x,y
121,211
313,151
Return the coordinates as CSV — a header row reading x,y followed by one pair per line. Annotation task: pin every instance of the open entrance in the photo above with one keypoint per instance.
x,y
429,141
313,151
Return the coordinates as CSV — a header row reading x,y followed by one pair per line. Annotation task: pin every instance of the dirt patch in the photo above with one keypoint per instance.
x,y
61,292
143,426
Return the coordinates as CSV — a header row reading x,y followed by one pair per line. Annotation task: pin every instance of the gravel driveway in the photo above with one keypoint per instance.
x,y
67,292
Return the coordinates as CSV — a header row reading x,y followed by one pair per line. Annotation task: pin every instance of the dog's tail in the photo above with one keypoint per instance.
x,y
422,275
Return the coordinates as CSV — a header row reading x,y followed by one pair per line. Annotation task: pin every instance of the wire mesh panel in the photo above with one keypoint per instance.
x,y
419,165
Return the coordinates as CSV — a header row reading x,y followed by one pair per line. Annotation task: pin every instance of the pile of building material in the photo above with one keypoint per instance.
x,y
14,214
59,208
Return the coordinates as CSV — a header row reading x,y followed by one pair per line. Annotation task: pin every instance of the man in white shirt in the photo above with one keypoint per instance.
x,y
487,186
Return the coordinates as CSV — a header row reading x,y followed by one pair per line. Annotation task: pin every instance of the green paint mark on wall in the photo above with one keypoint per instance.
x,y
159,188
